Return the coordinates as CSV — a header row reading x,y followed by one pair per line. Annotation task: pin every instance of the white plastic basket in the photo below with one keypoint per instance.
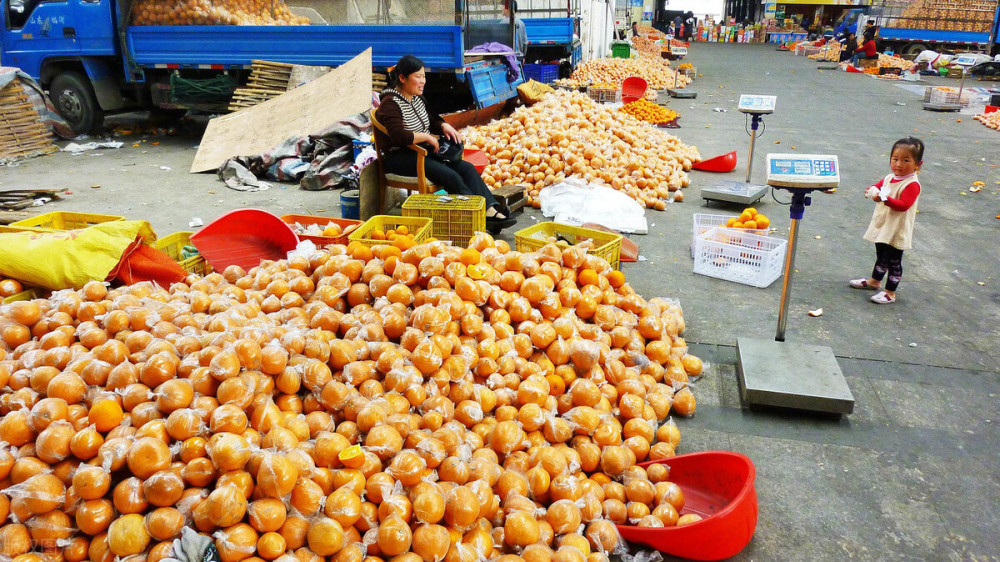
x,y
703,222
735,255
946,95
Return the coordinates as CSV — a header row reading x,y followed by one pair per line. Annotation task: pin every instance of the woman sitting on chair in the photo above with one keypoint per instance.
x,y
404,115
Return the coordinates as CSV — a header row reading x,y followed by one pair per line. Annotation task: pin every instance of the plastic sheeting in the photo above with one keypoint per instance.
x,y
574,202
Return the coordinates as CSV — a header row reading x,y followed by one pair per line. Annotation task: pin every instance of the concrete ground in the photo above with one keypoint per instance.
x,y
912,473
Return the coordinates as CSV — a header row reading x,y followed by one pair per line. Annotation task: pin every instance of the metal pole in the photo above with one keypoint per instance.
x,y
786,284
753,139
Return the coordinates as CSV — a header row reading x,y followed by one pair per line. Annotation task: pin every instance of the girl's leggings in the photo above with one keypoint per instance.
x,y
888,259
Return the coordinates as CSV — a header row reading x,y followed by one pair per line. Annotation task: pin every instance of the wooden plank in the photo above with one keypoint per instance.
x,y
271,63
7,217
343,92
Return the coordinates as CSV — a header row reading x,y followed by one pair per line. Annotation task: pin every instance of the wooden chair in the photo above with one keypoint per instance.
x,y
418,183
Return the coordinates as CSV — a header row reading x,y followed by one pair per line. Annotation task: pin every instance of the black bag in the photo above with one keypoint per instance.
x,y
448,152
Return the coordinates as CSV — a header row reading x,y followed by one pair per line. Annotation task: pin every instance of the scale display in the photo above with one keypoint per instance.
x,y
751,103
679,51
964,60
808,171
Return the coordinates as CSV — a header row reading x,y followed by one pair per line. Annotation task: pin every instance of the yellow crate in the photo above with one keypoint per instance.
x,y
173,246
420,228
456,220
606,244
63,220
26,295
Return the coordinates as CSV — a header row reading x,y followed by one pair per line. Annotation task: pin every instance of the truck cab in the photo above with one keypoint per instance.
x,y
71,48
848,22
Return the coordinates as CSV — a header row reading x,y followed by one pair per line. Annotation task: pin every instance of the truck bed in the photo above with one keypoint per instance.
x,y
439,46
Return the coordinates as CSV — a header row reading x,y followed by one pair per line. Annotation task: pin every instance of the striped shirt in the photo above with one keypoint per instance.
x,y
415,117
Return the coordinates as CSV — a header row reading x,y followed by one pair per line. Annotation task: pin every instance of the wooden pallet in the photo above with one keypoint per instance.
x,y
267,80
22,132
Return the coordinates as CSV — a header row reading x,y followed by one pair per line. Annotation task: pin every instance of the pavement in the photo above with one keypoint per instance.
x,y
913,473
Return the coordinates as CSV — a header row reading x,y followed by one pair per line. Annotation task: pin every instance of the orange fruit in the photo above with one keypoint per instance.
x,y
127,535
105,414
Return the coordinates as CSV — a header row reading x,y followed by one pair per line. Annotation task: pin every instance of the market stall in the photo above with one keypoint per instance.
x,y
394,395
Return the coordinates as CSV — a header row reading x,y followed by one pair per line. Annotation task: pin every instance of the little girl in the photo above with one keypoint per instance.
x,y
891,228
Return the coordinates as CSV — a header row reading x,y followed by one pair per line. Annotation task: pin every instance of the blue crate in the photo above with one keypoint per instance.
x,y
359,145
544,73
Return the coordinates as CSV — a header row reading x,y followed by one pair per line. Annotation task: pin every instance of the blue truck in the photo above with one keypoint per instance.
x,y
93,62
912,26
553,30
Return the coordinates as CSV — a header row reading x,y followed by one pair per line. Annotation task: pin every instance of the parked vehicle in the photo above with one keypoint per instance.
x,y
94,60
912,26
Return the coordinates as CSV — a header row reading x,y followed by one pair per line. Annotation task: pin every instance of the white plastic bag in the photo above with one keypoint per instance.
x,y
574,202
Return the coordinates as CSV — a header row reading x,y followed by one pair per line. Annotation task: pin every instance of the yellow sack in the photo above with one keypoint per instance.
x,y
532,91
70,258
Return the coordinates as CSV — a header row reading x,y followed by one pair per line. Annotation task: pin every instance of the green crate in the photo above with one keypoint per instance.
x,y
420,229
621,50
606,244
456,220
173,245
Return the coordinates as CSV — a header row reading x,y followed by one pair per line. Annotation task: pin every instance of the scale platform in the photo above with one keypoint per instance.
x,y
831,66
942,107
682,94
729,191
792,375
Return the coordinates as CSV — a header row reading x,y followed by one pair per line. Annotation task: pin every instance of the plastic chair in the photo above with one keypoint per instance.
x,y
418,183
633,88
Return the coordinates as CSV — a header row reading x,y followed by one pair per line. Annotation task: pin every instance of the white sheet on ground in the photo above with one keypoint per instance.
x,y
574,202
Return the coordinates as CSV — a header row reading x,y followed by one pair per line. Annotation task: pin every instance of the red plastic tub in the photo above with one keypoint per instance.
x,y
633,88
477,158
719,486
722,163
991,109
244,237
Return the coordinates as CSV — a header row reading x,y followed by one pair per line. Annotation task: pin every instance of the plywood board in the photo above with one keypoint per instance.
x,y
341,93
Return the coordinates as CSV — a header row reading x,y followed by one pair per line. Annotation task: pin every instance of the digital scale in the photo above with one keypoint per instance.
x,y
682,94
744,193
779,373
964,61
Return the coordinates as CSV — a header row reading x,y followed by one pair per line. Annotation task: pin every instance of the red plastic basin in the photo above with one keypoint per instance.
x,y
722,163
244,237
991,109
717,485
477,158
633,88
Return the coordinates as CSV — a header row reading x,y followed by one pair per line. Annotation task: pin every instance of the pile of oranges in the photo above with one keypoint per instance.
x,y
363,403
206,12
648,111
400,237
749,219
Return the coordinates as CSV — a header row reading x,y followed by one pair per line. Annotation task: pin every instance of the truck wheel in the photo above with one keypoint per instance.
x,y
75,101
914,49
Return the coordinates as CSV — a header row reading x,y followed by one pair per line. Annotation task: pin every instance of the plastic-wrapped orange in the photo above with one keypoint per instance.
x,y
325,536
43,493
127,535
236,543
394,536
164,523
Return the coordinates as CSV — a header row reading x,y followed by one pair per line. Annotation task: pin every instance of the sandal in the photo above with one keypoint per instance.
x,y
882,298
862,284
495,224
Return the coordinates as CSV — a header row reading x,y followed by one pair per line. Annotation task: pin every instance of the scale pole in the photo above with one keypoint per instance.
x,y
753,139
799,202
